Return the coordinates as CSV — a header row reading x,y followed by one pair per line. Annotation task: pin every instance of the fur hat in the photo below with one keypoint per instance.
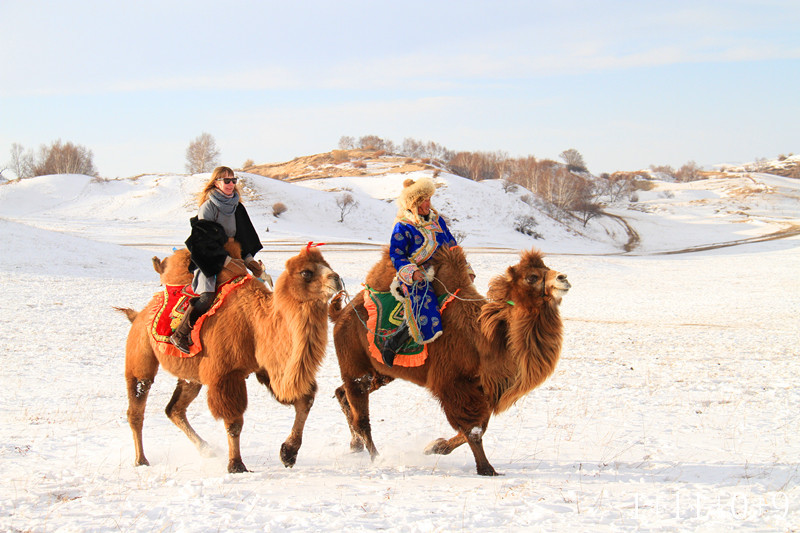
x,y
414,192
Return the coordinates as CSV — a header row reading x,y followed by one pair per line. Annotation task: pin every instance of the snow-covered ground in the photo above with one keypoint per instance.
x,y
673,406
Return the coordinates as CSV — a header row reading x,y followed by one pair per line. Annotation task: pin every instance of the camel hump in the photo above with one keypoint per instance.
x,y
127,311
382,273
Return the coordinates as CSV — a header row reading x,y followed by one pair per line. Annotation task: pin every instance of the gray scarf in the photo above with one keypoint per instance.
x,y
225,204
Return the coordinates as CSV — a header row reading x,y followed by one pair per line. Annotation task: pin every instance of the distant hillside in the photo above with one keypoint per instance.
x,y
340,164
788,167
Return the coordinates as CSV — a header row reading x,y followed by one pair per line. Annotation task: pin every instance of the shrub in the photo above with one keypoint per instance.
x,y
379,153
359,164
525,224
340,156
509,186
688,172
278,208
247,164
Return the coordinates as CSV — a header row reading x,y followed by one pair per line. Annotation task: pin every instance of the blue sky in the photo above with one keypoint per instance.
x,y
628,84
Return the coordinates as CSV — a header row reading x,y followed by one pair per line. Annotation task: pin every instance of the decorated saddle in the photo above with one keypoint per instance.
x,y
384,315
171,306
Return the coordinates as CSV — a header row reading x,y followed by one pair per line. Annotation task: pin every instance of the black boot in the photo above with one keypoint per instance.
x,y
394,343
182,336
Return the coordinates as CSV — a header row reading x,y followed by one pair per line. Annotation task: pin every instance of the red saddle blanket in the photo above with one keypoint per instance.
x,y
384,316
170,307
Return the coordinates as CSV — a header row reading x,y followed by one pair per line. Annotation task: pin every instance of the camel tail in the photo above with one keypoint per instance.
x,y
335,307
130,313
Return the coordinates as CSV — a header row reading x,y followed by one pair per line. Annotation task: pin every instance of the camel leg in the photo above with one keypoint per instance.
x,y
137,401
356,445
185,393
292,444
227,399
357,391
234,429
376,381
467,410
475,441
141,367
445,446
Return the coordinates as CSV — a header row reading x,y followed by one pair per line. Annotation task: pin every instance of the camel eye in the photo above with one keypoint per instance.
x,y
533,278
307,275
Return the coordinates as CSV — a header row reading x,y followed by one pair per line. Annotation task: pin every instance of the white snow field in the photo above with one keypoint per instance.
x,y
673,407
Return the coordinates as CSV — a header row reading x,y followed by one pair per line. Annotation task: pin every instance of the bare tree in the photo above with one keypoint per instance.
x,y
66,158
21,162
573,160
346,203
346,142
202,155
587,210
371,142
618,186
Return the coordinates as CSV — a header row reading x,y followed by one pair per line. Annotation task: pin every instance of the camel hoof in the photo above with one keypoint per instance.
x,y
488,470
236,466
438,447
356,446
288,456
141,462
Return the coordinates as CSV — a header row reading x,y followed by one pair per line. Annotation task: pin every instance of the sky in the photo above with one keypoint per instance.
x,y
627,84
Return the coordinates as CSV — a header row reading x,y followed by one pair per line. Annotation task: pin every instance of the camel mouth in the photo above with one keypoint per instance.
x,y
334,285
562,288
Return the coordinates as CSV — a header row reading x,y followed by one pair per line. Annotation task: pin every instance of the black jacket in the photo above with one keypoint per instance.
x,y
208,238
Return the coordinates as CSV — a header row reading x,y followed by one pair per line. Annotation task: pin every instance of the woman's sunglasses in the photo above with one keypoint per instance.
x,y
228,181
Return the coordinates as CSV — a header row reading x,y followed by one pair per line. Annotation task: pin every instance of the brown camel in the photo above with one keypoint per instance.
x,y
492,352
280,336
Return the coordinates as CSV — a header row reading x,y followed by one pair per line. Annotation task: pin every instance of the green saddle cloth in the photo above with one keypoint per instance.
x,y
388,314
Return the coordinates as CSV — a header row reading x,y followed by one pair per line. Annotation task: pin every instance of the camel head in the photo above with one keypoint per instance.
x,y
529,282
308,277
174,269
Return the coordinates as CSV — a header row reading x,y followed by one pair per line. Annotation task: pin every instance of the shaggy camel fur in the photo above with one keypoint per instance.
x,y
492,352
280,336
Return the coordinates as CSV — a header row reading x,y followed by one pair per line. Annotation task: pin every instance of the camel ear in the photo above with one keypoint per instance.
x,y
157,265
510,273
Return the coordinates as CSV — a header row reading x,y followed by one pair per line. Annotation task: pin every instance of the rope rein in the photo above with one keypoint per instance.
x,y
346,299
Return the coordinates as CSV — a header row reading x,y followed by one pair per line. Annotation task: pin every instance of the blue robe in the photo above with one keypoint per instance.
x,y
414,241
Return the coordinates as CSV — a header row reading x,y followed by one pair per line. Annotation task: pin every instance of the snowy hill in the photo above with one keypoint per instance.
x,y
153,211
